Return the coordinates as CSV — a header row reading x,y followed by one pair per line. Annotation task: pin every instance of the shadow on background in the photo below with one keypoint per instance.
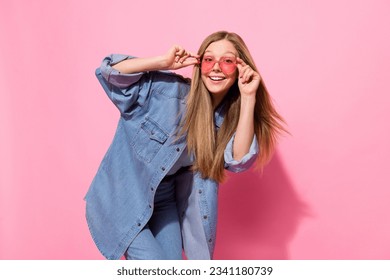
x,y
258,214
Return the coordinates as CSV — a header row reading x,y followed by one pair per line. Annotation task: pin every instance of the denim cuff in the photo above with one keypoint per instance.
x,y
114,77
245,162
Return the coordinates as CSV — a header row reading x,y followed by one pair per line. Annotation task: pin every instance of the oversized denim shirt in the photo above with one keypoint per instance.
x,y
145,146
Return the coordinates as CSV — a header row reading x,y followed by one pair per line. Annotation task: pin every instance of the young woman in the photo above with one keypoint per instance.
x,y
155,192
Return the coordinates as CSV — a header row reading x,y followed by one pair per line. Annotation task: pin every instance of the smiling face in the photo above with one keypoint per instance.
x,y
219,71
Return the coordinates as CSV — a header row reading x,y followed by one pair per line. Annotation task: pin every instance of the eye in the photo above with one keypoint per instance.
x,y
228,60
208,59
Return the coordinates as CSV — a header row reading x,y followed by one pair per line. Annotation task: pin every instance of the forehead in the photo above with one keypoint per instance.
x,y
220,48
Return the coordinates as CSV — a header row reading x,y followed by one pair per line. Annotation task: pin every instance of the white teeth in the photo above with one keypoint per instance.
x,y
216,78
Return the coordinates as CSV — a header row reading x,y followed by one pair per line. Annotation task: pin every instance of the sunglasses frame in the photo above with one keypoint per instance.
x,y
226,67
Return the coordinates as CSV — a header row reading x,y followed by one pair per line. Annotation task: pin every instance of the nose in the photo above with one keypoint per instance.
x,y
216,66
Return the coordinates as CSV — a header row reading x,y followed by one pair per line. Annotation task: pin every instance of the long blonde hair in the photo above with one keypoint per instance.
x,y
203,140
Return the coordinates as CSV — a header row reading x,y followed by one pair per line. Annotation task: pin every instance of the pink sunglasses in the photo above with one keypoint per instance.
x,y
227,64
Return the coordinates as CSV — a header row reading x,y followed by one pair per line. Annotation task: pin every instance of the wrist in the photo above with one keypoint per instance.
x,y
248,100
162,62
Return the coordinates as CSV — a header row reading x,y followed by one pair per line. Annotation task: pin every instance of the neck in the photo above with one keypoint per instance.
x,y
216,99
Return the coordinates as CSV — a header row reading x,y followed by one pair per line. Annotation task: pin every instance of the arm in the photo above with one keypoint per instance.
x,y
175,58
248,83
245,128
122,75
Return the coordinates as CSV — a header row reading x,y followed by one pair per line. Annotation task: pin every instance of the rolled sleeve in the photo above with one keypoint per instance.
x,y
114,77
246,161
122,89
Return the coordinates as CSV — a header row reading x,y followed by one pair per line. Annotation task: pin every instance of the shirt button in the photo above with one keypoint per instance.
x,y
177,149
139,224
200,191
205,217
150,206
152,189
163,168
210,240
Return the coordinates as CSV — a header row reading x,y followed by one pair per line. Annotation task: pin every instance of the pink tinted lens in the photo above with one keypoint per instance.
x,y
227,64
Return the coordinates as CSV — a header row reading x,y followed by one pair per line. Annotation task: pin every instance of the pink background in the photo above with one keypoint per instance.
x,y
325,194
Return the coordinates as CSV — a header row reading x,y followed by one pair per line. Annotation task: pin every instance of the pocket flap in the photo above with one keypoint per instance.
x,y
154,131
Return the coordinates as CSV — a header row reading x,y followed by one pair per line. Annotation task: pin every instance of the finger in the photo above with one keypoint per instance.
x,y
181,52
178,52
240,63
195,55
241,66
190,61
184,57
243,70
175,50
248,74
187,55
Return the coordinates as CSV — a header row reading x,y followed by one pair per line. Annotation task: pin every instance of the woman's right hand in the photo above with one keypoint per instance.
x,y
177,57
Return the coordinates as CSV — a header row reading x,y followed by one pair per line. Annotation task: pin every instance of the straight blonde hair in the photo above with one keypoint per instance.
x,y
207,144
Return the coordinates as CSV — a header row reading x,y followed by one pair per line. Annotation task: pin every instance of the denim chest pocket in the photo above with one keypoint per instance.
x,y
149,139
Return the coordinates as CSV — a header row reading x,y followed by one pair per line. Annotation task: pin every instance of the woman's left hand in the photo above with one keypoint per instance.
x,y
248,79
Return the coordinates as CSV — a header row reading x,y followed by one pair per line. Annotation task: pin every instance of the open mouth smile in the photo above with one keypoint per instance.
x,y
216,78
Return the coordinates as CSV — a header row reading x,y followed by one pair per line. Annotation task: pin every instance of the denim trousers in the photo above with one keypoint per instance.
x,y
160,239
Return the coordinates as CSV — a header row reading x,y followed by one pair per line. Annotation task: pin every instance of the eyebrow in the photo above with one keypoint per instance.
x,y
224,54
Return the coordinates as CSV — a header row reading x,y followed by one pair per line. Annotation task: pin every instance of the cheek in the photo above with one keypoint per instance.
x,y
204,69
232,78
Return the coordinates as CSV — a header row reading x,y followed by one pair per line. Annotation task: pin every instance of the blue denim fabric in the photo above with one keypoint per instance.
x,y
121,198
160,239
